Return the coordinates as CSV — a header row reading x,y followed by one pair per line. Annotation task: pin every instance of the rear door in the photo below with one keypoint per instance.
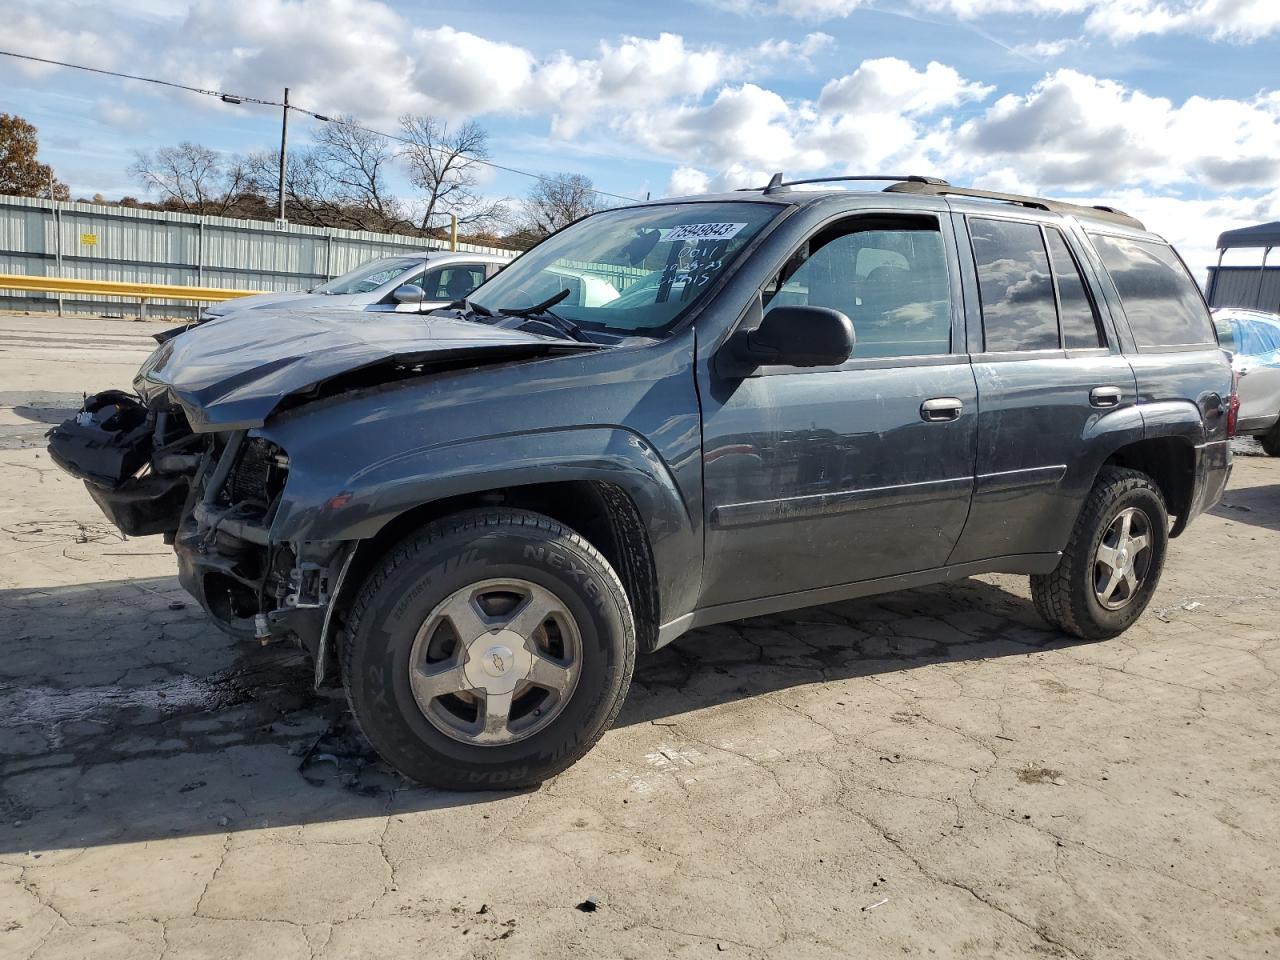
x,y
1048,368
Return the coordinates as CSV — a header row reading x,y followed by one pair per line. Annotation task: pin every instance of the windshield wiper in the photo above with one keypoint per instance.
x,y
470,306
543,310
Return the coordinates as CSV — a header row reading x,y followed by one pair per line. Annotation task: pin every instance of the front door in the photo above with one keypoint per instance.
x,y
826,476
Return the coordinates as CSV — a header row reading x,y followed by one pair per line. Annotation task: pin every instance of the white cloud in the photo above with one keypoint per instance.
x,y
1045,49
884,113
62,31
890,85
119,116
1238,21
1076,131
812,45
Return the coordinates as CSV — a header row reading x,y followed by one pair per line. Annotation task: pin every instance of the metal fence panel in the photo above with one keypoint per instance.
x,y
98,242
1245,287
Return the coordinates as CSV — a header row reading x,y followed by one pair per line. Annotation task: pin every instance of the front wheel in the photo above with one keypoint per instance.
x,y
1112,563
490,651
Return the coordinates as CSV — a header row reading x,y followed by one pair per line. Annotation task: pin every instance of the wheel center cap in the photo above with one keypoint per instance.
x,y
497,661
1123,557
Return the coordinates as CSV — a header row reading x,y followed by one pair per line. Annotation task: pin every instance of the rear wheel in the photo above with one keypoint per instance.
x,y
490,650
1113,561
1271,441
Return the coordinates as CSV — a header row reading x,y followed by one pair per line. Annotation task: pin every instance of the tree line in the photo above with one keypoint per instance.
x,y
340,179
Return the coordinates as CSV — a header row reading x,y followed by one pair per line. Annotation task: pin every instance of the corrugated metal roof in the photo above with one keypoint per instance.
x,y
1262,235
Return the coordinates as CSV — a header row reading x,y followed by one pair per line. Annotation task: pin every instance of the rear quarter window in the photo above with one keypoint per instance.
x,y
1161,301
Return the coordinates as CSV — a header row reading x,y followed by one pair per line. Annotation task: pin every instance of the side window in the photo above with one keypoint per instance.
x,y
453,283
1160,299
890,279
1077,315
1018,309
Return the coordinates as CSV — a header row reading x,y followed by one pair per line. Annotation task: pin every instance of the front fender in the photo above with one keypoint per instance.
x,y
319,506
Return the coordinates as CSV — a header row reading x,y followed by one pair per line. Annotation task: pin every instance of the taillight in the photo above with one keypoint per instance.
x,y
1233,405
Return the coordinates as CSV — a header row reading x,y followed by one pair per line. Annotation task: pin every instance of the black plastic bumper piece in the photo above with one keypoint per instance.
x,y
143,506
107,442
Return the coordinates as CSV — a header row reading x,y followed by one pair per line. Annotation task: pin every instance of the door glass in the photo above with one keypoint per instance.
x,y
1018,310
1080,327
892,283
453,283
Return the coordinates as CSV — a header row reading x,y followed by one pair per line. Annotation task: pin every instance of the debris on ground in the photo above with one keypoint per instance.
x,y
589,905
1037,774
356,767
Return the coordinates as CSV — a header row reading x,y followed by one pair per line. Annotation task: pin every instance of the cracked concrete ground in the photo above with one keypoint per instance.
x,y
930,773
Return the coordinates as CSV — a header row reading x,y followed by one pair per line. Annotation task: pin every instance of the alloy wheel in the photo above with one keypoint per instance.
x,y
1122,559
495,662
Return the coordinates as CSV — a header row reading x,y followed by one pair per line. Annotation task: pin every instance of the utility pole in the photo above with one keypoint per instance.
x,y
284,146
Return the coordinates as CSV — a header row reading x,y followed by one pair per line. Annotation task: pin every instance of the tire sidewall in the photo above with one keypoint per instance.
x,y
379,661
1149,501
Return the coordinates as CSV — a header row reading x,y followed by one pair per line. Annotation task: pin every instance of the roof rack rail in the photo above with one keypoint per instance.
x,y
778,185
936,189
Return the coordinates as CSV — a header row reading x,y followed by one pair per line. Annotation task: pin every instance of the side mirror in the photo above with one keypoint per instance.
x,y
799,337
409,293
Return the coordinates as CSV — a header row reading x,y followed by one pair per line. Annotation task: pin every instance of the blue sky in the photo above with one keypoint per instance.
x,y
1168,108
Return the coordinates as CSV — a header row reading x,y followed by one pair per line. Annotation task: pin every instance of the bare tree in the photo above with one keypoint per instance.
x,y
340,181
191,177
555,202
355,162
445,164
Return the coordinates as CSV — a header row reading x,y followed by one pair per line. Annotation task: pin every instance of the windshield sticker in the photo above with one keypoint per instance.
x,y
703,231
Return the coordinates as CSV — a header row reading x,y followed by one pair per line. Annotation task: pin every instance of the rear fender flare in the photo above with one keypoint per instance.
x,y
1173,418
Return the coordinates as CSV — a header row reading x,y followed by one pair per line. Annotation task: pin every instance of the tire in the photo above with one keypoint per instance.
x,y
1271,441
454,564
1068,598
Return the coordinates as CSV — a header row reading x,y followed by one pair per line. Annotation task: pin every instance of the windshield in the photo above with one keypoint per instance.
x,y
634,270
370,276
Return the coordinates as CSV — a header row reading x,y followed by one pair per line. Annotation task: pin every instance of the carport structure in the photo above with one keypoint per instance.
x,y
1258,287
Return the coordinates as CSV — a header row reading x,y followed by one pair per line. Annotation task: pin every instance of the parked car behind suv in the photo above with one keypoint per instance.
x,y
406,283
1253,339
479,518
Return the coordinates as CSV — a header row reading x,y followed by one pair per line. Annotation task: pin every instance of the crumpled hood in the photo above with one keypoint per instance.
x,y
231,376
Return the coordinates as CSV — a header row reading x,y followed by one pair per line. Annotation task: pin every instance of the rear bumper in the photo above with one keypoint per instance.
x,y
1213,469
1257,425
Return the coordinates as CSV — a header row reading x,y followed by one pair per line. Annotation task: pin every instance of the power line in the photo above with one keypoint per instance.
x,y
236,98
228,97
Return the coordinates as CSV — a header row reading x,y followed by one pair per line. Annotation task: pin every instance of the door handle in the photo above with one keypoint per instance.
x,y
1105,396
941,409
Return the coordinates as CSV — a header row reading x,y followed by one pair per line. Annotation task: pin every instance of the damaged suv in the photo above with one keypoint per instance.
x,y
477,517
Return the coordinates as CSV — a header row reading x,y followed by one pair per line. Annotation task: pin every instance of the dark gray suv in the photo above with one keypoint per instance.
x,y
670,415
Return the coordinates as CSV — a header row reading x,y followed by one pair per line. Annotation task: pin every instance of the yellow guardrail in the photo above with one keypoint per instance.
x,y
142,292
116,288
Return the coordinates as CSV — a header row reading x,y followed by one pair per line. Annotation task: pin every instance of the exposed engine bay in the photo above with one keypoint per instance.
x,y
213,497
